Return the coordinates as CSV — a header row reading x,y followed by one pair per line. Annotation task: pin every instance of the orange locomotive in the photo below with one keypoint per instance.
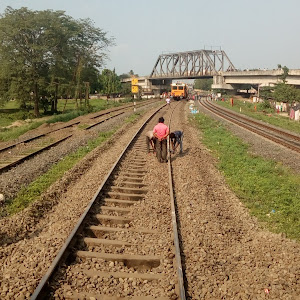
x,y
179,90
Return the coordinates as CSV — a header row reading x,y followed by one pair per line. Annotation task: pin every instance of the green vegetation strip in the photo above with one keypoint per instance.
x,y
263,113
12,115
269,190
33,191
14,132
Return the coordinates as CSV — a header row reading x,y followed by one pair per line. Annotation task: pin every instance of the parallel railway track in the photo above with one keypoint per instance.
x,y
110,250
289,140
10,158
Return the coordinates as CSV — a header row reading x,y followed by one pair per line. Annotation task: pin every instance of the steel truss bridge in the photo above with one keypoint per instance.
x,y
191,64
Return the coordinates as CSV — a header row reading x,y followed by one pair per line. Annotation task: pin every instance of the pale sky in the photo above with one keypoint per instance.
x,y
253,33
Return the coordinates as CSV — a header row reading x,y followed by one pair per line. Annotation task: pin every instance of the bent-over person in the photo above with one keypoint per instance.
x,y
150,141
176,140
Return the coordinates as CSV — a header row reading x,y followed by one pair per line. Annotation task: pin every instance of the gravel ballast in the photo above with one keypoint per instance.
x,y
226,254
29,242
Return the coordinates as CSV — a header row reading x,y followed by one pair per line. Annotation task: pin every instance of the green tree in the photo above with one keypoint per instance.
x,y
46,52
110,82
284,74
124,76
286,93
126,88
203,84
266,92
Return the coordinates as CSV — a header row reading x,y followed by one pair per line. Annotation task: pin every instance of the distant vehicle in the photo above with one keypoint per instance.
x,y
179,90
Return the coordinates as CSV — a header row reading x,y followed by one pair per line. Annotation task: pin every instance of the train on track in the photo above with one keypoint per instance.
x,y
179,90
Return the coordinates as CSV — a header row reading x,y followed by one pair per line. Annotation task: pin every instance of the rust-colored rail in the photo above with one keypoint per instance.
x,y
104,226
276,135
5,165
106,112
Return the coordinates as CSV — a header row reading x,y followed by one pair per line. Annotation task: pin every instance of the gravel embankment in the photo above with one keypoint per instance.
x,y
21,175
259,145
31,239
226,254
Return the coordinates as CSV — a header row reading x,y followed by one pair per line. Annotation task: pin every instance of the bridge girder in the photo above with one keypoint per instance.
x,y
191,64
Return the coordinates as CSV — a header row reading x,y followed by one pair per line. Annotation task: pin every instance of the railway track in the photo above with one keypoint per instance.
x,y
113,252
16,153
288,140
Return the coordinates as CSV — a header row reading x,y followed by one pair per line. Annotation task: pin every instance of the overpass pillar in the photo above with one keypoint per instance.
x,y
219,83
161,85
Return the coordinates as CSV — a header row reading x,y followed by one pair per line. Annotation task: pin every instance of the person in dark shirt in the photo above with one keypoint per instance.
x,y
176,140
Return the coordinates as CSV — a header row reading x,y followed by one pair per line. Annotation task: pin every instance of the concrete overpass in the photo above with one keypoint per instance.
x,y
232,80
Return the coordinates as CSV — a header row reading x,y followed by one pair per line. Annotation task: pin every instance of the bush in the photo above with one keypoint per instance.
x,y
67,116
264,105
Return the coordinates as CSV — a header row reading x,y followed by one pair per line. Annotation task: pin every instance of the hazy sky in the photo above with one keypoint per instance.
x,y
253,33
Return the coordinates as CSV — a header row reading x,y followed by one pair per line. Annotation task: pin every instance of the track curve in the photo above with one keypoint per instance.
x,y
289,140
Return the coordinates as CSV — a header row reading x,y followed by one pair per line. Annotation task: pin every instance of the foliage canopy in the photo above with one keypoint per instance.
x,y
203,84
281,92
46,53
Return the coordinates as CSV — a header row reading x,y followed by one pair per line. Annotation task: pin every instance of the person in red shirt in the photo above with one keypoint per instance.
x,y
161,132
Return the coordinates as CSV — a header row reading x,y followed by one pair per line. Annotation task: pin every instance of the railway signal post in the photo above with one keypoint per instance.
x,y
134,90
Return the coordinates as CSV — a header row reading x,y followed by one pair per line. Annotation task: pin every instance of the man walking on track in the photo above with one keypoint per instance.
x,y
168,100
161,132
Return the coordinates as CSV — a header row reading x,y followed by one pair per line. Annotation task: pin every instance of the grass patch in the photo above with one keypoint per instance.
x,y
133,117
67,116
10,114
261,113
7,134
83,126
270,191
33,191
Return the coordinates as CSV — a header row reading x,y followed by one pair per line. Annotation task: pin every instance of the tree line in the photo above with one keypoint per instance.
x,y
281,92
47,54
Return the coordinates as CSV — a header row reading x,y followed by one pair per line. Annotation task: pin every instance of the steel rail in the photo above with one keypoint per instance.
x,y
102,121
277,130
18,161
39,291
110,117
174,222
69,125
21,142
36,137
131,105
230,117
